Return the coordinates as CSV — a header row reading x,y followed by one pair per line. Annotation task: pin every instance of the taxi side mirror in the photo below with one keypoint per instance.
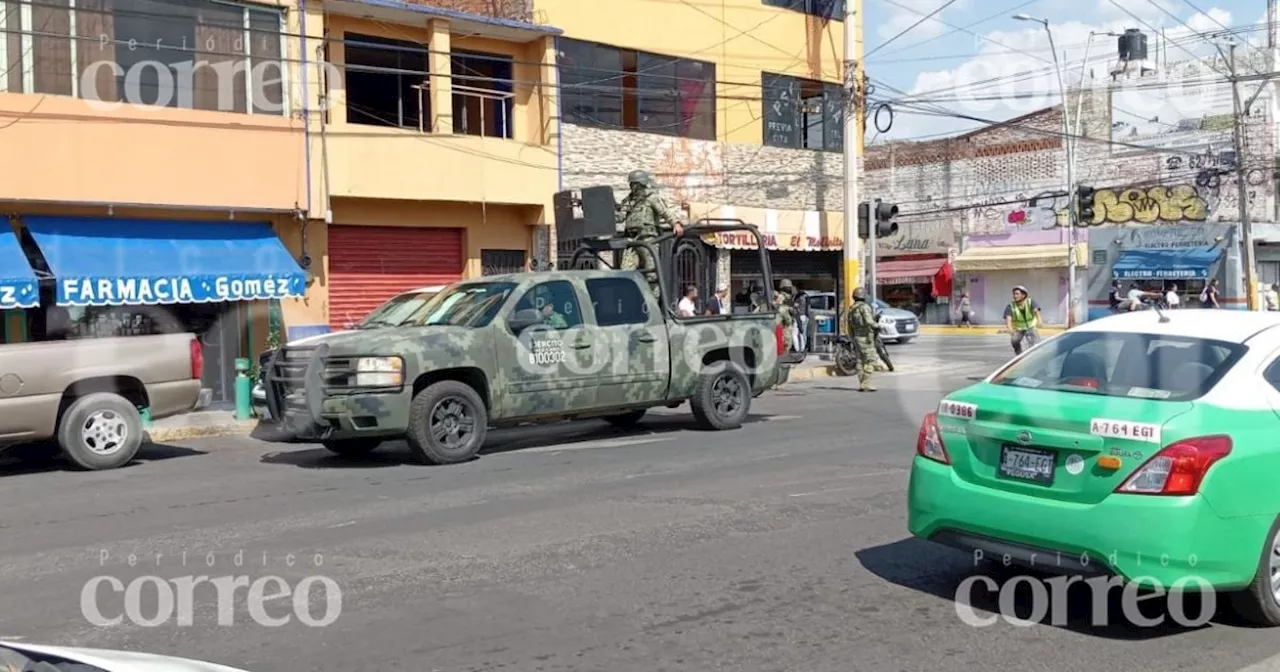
x,y
523,319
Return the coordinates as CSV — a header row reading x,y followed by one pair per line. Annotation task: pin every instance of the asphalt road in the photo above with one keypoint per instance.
x,y
780,546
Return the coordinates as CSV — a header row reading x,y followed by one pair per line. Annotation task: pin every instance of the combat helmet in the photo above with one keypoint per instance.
x,y
860,294
787,286
641,177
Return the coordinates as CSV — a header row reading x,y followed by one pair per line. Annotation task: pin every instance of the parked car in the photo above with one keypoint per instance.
x,y
16,656
89,394
395,311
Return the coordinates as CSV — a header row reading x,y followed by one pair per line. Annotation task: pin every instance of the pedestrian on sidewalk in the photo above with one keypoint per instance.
x,y
1273,297
966,311
1172,298
1209,296
1022,317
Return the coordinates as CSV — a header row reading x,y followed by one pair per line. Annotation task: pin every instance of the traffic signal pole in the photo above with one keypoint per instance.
x,y
853,115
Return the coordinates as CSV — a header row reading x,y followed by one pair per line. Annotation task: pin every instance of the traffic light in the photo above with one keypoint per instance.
x,y
864,221
1084,199
885,226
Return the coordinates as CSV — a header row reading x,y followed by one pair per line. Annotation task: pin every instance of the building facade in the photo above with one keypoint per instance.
x,y
238,170
1157,146
738,114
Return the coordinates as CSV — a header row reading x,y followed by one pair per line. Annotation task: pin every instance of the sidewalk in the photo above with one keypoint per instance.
x,y
199,424
951,330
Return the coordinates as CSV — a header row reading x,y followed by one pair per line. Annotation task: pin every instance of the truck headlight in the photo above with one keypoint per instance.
x,y
379,372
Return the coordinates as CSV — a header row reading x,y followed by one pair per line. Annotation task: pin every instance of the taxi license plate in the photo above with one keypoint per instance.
x,y
1027,464
909,327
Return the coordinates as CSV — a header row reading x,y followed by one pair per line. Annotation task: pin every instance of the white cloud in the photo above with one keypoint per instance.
x,y
1012,72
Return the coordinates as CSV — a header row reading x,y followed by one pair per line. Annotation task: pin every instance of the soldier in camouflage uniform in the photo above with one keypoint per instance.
x,y
546,304
785,304
862,328
644,215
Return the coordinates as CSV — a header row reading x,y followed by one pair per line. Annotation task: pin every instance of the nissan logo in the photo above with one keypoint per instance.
x,y
1024,438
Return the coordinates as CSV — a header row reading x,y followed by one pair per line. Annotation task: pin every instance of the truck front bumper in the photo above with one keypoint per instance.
x,y
300,408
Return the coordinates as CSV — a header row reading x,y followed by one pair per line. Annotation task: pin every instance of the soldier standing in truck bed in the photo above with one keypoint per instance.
x,y
644,215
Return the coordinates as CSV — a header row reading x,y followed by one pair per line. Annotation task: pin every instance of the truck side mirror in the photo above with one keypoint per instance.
x,y
523,319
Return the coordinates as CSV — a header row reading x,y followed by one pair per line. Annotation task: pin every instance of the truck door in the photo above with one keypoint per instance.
x,y
631,323
549,368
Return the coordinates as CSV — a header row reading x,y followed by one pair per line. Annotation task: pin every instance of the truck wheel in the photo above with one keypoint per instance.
x,y
1259,604
722,398
447,423
100,431
626,419
352,447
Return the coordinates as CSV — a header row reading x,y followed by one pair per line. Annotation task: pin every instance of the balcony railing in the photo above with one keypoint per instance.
x,y
402,98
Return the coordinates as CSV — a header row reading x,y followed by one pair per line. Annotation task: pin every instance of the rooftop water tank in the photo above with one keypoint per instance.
x,y
1133,45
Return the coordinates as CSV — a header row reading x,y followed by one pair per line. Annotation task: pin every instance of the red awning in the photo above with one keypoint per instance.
x,y
908,271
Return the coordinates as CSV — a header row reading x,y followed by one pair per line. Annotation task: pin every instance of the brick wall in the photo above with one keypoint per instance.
x,y
706,172
518,10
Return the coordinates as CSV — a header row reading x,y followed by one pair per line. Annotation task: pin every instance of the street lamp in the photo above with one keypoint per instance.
x,y
1068,144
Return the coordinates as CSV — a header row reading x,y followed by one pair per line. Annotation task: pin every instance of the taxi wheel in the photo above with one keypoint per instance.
x,y
1259,604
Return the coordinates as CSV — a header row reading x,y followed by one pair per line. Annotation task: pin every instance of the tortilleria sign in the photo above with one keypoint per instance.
x,y
741,240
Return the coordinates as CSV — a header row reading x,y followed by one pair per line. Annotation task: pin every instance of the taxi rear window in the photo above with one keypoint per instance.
x,y
1140,366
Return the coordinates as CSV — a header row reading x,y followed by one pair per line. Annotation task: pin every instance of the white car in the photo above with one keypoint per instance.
x,y
391,313
17,656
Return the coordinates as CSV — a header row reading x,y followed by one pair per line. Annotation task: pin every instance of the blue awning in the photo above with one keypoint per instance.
x,y
116,262
1191,263
18,285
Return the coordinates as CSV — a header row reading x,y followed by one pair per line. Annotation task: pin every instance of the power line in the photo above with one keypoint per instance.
x,y
909,28
953,31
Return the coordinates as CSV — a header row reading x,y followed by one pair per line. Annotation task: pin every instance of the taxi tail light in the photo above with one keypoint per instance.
x,y
929,441
779,335
197,360
1179,468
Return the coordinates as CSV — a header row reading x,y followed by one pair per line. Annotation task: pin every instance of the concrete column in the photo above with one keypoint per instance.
x,y
441,79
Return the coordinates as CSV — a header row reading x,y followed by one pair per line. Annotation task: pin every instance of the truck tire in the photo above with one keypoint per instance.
x,y
626,420
100,431
352,447
722,398
447,423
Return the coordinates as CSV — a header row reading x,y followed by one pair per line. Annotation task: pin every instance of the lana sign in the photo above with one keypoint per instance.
x,y
772,241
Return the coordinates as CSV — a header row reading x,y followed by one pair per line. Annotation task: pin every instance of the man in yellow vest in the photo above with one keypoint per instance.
x,y
1022,317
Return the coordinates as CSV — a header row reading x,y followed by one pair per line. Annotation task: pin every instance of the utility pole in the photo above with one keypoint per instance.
x,y
853,115
1242,189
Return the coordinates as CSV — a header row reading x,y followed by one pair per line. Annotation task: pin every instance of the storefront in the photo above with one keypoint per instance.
x,y
97,277
992,265
376,249
1157,258
913,270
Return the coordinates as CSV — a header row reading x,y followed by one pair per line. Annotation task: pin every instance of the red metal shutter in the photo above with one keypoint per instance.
x,y
370,264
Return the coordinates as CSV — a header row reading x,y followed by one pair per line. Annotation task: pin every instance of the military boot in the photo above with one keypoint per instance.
x,y
864,380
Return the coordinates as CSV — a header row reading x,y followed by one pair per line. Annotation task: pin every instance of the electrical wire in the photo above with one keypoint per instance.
x,y
909,28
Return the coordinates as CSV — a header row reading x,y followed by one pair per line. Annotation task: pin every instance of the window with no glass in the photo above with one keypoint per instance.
x,y
608,87
802,113
386,82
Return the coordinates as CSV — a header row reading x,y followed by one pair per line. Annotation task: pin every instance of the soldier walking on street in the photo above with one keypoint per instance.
x,y
644,215
862,328
785,303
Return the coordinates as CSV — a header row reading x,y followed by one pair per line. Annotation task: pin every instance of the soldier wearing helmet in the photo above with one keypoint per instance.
x,y
862,329
644,215
784,301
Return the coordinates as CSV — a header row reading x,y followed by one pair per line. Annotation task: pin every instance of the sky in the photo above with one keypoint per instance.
x,y
974,59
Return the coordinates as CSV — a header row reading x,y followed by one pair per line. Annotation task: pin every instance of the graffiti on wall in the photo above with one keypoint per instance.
x,y
1148,205
688,168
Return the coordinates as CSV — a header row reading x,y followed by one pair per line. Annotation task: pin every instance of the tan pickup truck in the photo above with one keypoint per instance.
x,y
89,394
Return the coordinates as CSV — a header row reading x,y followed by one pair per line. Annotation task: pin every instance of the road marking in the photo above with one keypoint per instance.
x,y
889,472
349,522
779,418
1271,664
589,445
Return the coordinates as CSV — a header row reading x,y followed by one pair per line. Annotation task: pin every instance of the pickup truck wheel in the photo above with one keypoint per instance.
x,y
447,423
352,447
722,398
626,419
100,431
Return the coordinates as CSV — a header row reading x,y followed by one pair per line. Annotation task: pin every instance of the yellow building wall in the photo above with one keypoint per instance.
x,y
742,37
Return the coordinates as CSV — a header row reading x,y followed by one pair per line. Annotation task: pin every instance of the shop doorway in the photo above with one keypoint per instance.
x,y
218,326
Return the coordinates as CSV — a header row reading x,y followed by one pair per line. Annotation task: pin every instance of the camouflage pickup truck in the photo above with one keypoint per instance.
x,y
515,349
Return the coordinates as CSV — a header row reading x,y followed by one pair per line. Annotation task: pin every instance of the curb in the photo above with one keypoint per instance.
x,y
812,372
166,434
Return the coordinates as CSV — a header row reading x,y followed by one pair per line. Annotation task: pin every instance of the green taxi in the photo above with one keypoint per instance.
x,y
1144,446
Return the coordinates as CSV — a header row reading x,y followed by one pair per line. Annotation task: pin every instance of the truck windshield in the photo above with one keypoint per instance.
x,y
396,310
469,305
